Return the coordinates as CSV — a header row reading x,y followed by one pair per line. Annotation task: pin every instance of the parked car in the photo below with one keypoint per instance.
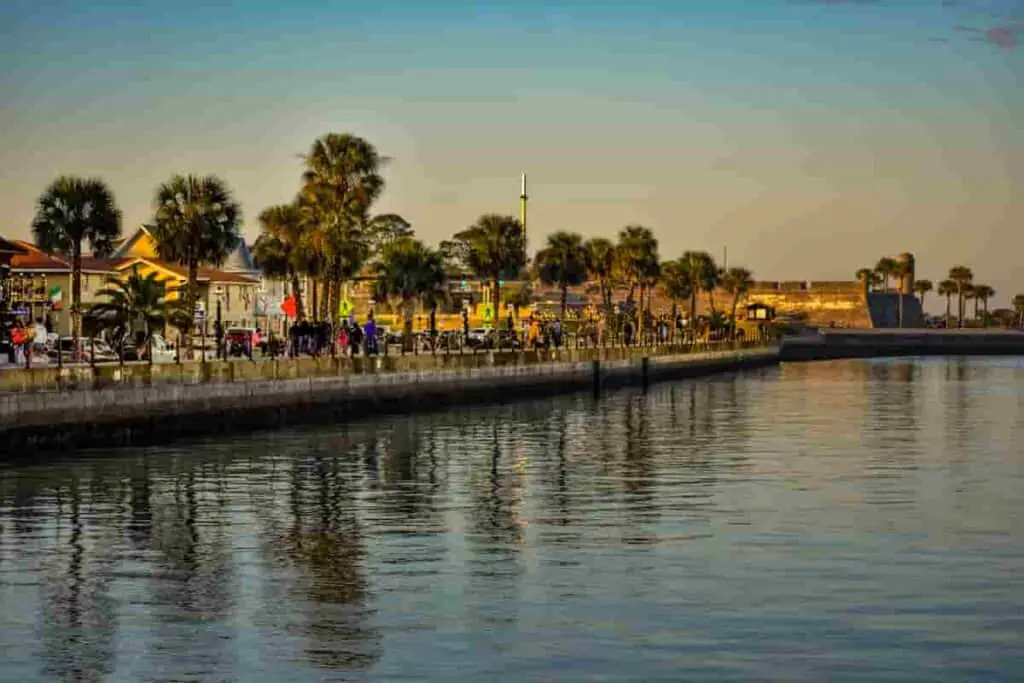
x,y
92,350
238,341
163,351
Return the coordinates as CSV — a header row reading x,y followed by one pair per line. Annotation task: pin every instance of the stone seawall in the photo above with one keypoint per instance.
x,y
833,344
155,411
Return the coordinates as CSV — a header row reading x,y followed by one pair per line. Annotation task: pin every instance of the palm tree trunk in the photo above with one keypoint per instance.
x,y
732,318
300,310
407,313
949,304
315,310
497,299
191,295
960,308
693,309
565,301
976,308
984,310
76,296
899,306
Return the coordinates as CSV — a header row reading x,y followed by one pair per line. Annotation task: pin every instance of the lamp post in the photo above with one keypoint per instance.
x,y
218,325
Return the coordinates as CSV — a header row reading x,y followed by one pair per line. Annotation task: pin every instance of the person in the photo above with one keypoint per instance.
x,y
19,337
627,333
556,333
343,338
40,333
355,338
255,342
370,330
534,333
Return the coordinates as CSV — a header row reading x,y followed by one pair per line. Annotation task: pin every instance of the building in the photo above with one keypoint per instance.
x,y
40,283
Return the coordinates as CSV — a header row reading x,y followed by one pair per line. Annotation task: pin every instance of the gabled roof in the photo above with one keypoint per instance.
x,y
240,258
32,258
173,269
7,247
123,250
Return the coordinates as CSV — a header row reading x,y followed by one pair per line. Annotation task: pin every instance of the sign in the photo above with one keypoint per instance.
x,y
262,305
288,307
344,308
22,312
488,313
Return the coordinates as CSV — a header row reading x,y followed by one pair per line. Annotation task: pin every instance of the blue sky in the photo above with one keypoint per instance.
x,y
809,136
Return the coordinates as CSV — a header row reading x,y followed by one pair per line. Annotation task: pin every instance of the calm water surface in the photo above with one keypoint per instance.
x,y
855,520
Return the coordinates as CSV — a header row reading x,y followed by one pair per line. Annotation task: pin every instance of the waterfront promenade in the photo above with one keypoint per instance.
x,y
108,405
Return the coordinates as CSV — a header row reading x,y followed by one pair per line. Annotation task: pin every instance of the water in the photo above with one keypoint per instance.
x,y
855,520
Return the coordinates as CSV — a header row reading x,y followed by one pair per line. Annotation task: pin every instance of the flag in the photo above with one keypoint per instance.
x,y
56,297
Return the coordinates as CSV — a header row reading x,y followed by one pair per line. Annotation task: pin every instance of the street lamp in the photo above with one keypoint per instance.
x,y
218,326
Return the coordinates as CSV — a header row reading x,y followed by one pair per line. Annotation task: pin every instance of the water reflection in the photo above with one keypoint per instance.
x,y
703,530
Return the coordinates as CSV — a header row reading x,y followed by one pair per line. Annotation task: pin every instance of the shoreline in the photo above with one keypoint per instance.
x,y
113,406
131,414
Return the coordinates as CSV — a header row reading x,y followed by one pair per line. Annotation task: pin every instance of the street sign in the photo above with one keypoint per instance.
x,y
488,313
344,308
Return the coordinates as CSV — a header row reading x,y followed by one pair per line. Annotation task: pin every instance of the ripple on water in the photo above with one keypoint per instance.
x,y
851,520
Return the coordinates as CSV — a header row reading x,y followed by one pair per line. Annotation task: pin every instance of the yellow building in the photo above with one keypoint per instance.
x,y
40,283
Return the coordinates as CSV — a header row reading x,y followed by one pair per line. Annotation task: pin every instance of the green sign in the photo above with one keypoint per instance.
x,y
344,308
488,313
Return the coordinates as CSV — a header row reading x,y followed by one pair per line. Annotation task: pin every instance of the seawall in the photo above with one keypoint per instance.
x,y
133,412
833,344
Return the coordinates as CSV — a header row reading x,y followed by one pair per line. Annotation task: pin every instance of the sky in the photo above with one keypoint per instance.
x,y
809,137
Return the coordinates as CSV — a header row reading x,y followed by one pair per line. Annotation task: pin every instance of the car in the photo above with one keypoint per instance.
x,y
92,350
163,351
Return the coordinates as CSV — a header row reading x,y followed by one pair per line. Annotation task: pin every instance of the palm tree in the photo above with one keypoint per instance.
x,y
868,277
922,287
983,293
563,262
962,277
601,266
675,279
197,221
70,212
702,274
407,270
1018,306
900,271
135,306
736,281
637,260
947,288
493,249
280,251
341,182
886,268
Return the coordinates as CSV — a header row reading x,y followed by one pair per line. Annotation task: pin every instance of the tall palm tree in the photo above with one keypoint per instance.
x,y
962,276
197,221
886,268
900,272
563,262
71,212
280,250
135,306
341,182
947,288
493,249
983,293
601,267
868,277
1018,306
922,287
407,271
637,260
702,273
736,281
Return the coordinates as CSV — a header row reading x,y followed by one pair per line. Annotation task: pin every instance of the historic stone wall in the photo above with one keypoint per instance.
x,y
842,304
